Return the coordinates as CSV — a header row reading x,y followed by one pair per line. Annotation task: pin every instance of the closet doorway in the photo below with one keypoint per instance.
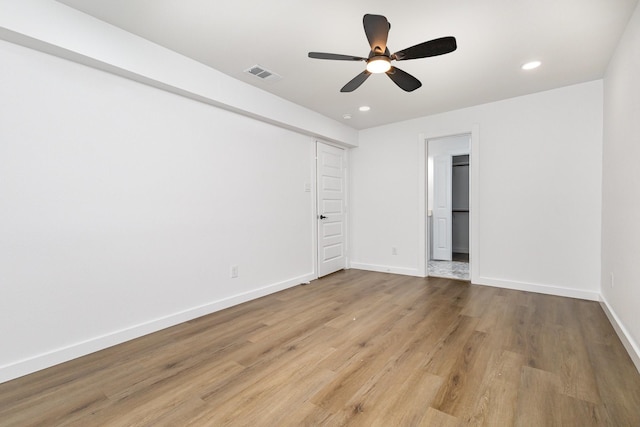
x,y
448,200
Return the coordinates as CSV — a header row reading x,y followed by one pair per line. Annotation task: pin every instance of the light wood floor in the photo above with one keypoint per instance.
x,y
354,348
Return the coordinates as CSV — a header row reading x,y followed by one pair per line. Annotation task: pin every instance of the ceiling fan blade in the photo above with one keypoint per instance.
x,y
403,79
376,27
356,82
431,48
335,56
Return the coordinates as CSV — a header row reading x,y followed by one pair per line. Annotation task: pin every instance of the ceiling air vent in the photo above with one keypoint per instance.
x,y
262,73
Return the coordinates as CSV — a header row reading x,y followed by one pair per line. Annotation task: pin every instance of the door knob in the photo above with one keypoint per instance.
x,y
322,216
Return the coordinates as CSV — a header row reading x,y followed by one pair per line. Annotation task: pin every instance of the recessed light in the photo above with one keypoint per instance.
x,y
531,65
346,116
364,108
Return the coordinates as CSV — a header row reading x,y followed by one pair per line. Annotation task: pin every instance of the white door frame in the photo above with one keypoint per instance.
x,y
474,200
315,210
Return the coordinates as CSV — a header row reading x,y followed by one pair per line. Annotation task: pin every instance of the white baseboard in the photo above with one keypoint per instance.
x,y
386,269
627,341
64,354
540,289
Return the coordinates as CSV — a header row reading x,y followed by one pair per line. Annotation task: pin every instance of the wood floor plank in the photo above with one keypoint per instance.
x,y
308,414
538,393
271,397
412,395
434,417
617,383
442,357
459,393
564,353
495,317
353,376
542,403
354,348
496,399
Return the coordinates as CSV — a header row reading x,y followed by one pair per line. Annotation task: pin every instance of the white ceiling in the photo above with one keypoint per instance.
x,y
574,39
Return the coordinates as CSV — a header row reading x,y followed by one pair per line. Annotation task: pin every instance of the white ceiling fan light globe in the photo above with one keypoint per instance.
x,y
378,64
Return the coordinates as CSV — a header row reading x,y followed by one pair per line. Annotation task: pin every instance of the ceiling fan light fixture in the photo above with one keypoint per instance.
x,y
378,64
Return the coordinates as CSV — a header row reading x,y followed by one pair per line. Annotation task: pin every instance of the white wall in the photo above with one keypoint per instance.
x,y
122,208
539,183
55,28
621,188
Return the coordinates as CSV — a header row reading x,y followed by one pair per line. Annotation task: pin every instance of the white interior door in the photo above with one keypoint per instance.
x,y
330,184
442,185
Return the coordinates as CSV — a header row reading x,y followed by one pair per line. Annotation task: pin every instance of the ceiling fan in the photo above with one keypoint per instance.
x,y
376,27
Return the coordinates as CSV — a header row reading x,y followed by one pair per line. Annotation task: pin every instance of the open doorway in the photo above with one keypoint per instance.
x,y
448,201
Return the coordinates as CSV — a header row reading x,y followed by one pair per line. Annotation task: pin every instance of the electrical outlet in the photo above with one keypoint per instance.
x,y
394,250
234,271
